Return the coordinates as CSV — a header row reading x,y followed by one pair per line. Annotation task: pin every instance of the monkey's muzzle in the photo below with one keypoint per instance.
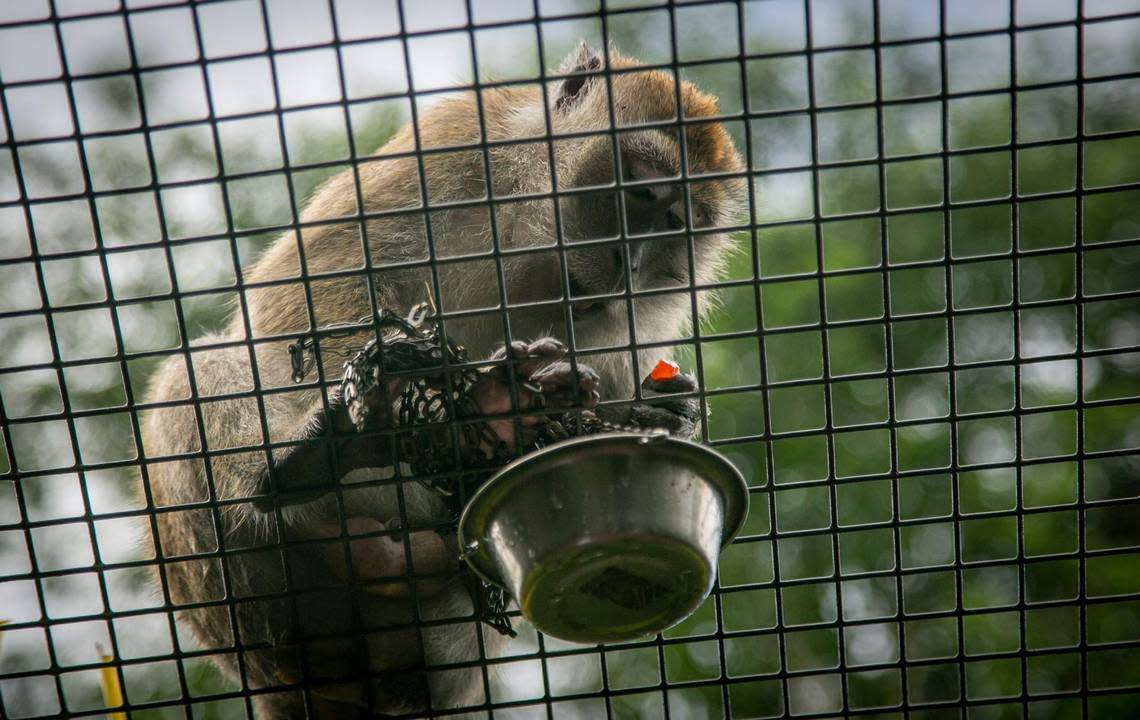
x,y
608,537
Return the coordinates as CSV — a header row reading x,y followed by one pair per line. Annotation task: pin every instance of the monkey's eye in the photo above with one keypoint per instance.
x,y
674,221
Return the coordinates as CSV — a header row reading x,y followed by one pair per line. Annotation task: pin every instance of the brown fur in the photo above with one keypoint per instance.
x,y
184,488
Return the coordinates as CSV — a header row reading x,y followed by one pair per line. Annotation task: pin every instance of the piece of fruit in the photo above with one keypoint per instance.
x,y
664,370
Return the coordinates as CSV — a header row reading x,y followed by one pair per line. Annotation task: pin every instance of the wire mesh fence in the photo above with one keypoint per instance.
x,y
923,351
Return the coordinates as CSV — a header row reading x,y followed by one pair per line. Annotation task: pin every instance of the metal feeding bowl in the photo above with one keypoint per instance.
x,y
607,537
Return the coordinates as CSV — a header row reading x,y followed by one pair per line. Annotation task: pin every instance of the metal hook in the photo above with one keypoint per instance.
x,y
297,359
468,549
419,313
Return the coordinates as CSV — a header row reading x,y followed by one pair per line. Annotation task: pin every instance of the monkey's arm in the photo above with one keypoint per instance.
x,y
331,446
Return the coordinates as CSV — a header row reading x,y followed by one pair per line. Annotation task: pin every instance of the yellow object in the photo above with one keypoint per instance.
x,y
112,690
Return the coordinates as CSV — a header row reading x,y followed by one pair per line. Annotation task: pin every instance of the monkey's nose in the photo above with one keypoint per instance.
x,y
655,208
627,268
675,216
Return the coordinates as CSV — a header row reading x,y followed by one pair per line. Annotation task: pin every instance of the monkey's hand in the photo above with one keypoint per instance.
x,y
544,380
677,415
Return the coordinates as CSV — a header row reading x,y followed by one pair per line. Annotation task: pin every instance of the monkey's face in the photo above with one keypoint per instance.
x,y
637,236
612,231
635,215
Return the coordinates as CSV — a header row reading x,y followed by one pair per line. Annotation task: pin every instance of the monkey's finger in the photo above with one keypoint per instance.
x,y
679,383
544,347
679,418
377,557
516,349
562,375
568,398
539,355
521,350
685,406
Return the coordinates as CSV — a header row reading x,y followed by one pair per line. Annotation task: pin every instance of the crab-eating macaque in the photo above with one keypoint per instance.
x,y
285,535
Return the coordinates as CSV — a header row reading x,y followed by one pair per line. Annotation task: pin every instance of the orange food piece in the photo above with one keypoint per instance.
x,y
664,370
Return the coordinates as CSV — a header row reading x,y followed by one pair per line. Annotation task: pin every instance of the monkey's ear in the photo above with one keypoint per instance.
x,y
583,60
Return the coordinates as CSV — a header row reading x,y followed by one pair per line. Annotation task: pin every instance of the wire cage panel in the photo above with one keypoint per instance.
x,y
922,349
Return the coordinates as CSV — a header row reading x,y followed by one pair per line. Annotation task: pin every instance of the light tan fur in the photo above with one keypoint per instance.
x,y
294,275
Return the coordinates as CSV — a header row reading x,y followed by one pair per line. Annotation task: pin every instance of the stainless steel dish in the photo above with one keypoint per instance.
x,y
608,537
